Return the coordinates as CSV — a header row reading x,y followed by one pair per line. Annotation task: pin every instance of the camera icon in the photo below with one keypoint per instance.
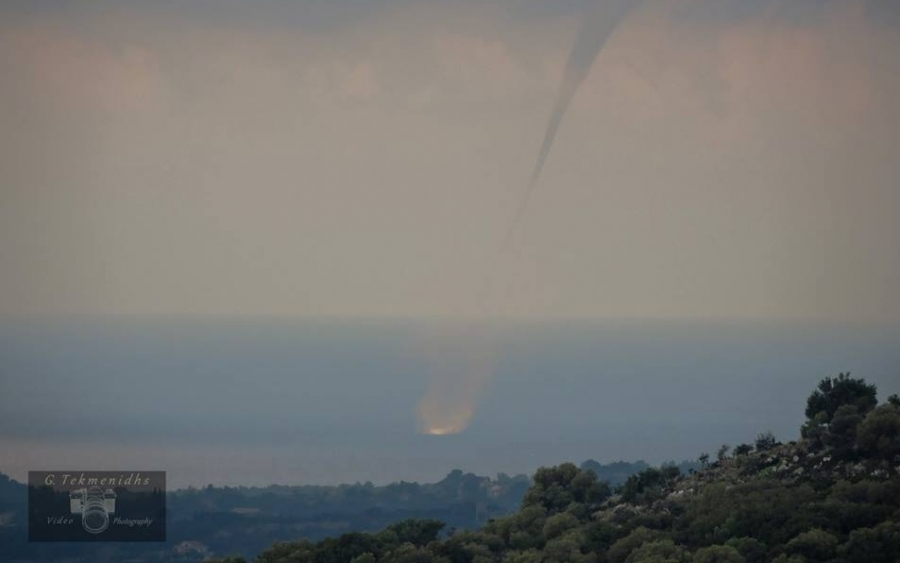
x,y
94,505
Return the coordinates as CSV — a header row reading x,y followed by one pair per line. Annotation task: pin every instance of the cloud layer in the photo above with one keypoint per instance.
x,y
718,161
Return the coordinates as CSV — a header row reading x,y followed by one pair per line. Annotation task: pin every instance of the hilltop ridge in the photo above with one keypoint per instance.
x,y
833,496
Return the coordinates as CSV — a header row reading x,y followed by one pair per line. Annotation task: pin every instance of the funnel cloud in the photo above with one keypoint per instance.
x,y
597,27
458,381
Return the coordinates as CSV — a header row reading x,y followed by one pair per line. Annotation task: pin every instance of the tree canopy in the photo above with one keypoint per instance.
x,y
809,501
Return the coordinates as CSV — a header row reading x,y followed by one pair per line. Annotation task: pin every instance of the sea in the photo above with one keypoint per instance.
x,y
259,401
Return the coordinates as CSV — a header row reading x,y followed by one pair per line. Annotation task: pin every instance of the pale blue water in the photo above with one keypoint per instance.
x,y
260,401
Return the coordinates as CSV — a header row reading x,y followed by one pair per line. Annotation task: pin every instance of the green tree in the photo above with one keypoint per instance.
x,y
767,509
522,530
649,485
527,556
409,553
722,453
718,554
878,435
468,547
416,532
558,524
765,441
815,545
751,549
840,434
567,549
555,488
620,549
870,545
659,551
833,393
293,552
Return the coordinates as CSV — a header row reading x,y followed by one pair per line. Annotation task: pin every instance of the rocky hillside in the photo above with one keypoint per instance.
x,y
831,497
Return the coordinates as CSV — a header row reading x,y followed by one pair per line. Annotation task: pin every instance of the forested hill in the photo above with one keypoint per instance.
x,y
245,520
831,497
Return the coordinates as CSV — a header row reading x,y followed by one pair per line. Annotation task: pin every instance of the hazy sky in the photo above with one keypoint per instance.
x,y
723,158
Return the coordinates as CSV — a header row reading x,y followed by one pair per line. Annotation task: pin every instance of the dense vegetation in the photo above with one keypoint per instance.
x,y
245,520
832,496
